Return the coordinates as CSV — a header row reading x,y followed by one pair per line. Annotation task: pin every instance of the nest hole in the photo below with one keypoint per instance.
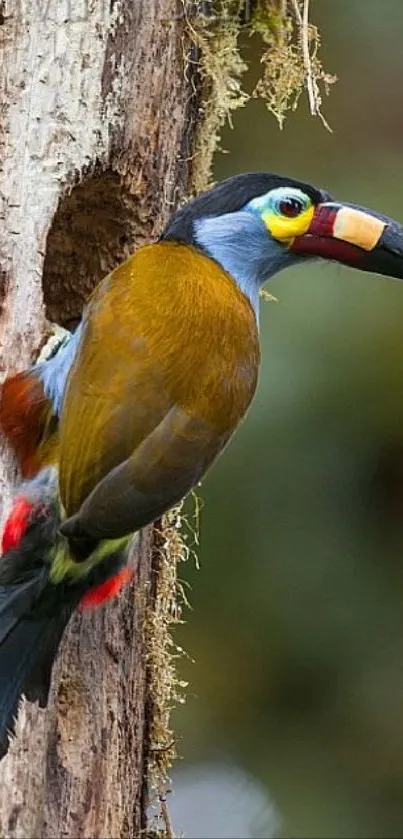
x,y
97,224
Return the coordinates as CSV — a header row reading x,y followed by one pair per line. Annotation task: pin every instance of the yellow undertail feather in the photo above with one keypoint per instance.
x,y
65,567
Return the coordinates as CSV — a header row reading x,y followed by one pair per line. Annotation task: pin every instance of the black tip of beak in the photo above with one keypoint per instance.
x,y
387,257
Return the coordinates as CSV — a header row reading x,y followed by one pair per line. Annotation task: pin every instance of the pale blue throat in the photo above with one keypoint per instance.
x,y
241,243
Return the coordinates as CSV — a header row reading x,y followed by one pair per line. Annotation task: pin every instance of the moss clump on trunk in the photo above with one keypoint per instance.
x,y
289,59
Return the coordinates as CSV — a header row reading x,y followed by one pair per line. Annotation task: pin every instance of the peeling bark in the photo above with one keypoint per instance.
x,y
98,107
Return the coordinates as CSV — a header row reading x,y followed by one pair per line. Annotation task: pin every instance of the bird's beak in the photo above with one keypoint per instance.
x,y
354,236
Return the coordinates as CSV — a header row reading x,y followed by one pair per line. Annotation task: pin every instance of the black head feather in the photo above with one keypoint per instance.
x,y
230,196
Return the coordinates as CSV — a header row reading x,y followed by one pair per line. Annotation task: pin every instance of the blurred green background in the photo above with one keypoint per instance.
x,y
297,628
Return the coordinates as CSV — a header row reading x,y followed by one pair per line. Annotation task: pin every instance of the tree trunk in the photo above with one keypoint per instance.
x,y
98,108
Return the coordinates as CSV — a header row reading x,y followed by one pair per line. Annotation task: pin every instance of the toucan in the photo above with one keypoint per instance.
x,y
126,418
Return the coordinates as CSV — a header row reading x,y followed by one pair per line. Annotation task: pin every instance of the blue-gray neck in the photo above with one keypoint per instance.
x,y
241,243
54,372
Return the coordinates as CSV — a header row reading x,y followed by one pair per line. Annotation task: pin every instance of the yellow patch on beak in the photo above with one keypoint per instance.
x,y
358,228
285,229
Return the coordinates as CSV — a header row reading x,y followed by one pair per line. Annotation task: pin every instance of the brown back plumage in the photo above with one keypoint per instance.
x,y
168,334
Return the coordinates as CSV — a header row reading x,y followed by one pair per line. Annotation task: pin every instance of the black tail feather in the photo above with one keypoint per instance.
x,y
33,616
17,600
34,610
28,645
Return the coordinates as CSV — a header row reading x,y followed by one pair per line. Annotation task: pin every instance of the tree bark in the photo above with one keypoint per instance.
x,y
98,111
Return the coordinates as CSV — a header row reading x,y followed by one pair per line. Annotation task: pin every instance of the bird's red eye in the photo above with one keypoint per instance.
x,y
290,207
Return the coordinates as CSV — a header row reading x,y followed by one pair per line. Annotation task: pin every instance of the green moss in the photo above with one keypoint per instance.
x,y
289,59
174,544
215,33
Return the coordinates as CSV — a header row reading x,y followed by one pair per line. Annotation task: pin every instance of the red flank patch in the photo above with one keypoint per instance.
x,y
107,590
16,524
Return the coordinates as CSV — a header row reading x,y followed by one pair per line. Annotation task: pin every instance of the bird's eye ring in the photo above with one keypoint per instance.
x,y
290,207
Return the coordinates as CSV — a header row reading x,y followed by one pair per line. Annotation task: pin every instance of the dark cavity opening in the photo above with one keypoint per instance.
x,y
98,223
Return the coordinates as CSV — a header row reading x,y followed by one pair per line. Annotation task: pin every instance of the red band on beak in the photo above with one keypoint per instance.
x,y
328,248
323,221
320,240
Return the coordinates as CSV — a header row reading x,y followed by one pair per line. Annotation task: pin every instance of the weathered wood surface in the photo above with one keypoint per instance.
x,y
97,119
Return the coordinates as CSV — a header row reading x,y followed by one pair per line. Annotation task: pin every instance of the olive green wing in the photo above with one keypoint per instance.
x,y
164,468
116,394
157,387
